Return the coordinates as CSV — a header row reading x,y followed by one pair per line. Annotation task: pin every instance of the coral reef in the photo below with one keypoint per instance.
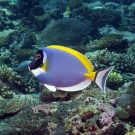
x,y
24,54
114,80
38,17
74,4
121,61
66,37
103,30
14,81
4,55
4,42
113,42
22,38
46,108
99,17
10,106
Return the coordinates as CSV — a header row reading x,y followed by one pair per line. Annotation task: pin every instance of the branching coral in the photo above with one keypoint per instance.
x,y
112,42
13,80
114,80
5,90
103,58
4,55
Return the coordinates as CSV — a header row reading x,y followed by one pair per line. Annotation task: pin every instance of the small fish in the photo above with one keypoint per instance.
x,y
59,67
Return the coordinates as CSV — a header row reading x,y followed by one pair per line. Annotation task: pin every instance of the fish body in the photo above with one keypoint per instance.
x,y
66,69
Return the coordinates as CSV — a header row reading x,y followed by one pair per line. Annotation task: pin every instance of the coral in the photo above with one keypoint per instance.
x,y
112,42
122,114
131,87
5,90
13,80
47,96
24,54
99,17
5,73
76,124
4,55
4,42
66,37
47,108
67,13
106,115
131,132
38,17
13,105
126,102
74,4
37,10
114,80
121,61
22,38
3,1
24,7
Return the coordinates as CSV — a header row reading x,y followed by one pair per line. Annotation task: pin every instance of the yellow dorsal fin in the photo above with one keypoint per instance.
x,y
77,54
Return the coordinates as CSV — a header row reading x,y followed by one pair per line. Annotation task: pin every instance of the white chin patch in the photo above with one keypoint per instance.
x,y
37,71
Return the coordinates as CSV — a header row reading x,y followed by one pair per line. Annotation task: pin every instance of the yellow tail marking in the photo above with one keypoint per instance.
x,y
77,54
91,76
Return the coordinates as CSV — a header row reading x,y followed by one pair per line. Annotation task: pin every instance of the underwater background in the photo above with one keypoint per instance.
x,y
102,30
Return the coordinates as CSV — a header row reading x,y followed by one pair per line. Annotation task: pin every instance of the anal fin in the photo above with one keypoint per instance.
x,y
50,87
76,87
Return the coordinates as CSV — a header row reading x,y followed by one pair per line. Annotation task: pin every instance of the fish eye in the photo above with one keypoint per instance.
x,y
38,56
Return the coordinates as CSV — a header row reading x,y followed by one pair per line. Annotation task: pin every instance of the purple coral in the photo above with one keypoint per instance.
x,y
45,108
106,115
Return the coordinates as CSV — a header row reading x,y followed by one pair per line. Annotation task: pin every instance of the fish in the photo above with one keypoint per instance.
x,y
62,68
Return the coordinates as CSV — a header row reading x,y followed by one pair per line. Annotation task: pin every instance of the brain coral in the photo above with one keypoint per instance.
x,y
64,32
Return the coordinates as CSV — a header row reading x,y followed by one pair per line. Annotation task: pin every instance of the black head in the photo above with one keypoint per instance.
x,y
37,61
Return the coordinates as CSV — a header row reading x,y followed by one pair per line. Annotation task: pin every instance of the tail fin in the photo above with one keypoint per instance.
x,y
100,78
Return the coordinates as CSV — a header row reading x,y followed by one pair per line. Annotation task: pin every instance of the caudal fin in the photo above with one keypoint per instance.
x,y
100,78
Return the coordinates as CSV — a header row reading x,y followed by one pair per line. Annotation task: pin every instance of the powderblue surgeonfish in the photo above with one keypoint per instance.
x,y
59,67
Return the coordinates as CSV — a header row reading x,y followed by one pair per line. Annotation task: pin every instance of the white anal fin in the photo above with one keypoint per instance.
x,y
101,77
76,87
50,87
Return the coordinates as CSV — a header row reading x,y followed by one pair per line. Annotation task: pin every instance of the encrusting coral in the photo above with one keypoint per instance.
x,y
10,106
